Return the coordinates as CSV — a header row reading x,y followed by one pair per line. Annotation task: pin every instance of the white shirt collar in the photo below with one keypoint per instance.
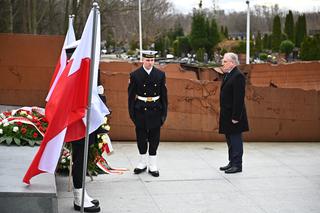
x,y
148,71
230,70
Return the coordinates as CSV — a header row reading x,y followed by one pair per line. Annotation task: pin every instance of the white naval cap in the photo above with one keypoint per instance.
x,y
149,53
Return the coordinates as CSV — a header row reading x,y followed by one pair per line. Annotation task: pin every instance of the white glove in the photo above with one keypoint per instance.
x,y
100,90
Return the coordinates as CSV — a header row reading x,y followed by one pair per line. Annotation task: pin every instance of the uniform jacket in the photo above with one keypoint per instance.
x,y
147,115
232,104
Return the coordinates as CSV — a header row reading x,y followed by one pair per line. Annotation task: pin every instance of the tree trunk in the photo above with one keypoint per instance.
x,y
51,16
33,17
66,17
6,20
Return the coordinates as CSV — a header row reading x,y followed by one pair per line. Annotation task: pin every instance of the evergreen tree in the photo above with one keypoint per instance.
x,y
176,49
222,30
270,42
310,48
301,30
163,45
286,47
258,45
184,45
242,47
213,36
177,31
265,42
304,25
226,33
198,34
200,54
159,45
289,26
208,35
276,33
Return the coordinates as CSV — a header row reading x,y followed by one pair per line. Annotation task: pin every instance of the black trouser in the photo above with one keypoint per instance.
x,y
77,158
235,149
148,135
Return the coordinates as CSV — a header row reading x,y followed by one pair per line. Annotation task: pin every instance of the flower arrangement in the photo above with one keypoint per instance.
x,y
64,163
27,126
98,151
24,126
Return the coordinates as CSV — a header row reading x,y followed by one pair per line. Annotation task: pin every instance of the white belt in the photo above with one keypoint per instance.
x,y
148,99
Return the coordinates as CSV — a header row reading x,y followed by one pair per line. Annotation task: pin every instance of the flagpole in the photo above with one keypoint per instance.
x,y
248,34
140,30
86,143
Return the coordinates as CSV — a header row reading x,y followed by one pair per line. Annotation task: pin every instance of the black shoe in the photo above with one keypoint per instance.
x,y
138,170
233,169
87,209
224,168
95,202
154,173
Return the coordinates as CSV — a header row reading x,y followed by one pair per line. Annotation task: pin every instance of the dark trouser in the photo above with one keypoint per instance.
x,y
77,166
148,135
235,149
77,158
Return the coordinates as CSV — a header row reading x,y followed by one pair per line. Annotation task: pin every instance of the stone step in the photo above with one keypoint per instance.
x,y
17,197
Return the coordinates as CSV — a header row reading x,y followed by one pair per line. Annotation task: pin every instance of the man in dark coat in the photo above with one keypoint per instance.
x,y
147,103
233,117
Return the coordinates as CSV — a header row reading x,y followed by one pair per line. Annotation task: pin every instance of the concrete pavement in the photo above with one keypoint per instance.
x,y
276,177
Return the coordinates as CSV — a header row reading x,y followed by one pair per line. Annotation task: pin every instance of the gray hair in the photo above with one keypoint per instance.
x,y
232,57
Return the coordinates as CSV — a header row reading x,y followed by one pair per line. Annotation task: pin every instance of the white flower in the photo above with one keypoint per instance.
x,y
29,116
108,128
1,131
63,160
100,145
2,115
104,137
6,124
105,120
69,157
15,129
23,112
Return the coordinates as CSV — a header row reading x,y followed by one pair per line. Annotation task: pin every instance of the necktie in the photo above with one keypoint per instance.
x,y
225,77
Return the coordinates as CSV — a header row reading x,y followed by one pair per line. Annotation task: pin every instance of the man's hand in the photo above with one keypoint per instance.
x,y
234,121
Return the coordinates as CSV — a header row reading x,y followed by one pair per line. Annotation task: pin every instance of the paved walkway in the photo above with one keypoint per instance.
x,y
276,177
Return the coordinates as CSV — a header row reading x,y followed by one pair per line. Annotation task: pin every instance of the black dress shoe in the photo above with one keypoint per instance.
x,y
138,170
233,169
224,168
95,202
154,173
87,209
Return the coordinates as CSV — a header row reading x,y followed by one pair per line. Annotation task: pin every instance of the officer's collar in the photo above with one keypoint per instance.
x,y
147,70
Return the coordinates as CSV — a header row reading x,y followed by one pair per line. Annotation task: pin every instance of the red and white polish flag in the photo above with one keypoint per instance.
x,y
66,107
62,62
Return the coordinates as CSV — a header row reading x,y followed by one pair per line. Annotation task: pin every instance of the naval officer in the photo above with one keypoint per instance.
x,y
147,103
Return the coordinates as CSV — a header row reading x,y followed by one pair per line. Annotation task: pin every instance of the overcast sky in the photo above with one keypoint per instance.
x,y
185,6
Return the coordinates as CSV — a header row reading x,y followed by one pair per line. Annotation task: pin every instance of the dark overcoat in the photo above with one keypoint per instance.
x,y
232,103
153,114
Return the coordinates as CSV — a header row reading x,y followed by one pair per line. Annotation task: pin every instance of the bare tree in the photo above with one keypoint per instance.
x,y
6,20
119,18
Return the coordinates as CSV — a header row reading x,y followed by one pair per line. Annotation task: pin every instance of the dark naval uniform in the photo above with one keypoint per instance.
x,y
147,102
